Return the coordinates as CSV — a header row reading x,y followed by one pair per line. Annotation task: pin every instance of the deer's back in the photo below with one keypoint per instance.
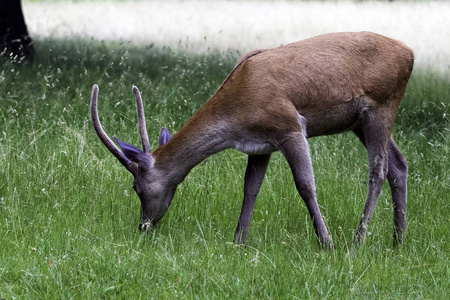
x,y
331,72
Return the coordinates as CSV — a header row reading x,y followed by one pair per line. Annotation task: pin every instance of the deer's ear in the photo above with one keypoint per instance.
x,y
135,154
164,136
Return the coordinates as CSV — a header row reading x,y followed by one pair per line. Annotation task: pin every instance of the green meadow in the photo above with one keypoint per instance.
x,y
69,216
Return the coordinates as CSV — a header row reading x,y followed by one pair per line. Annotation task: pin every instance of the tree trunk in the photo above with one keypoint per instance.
x,y
14,39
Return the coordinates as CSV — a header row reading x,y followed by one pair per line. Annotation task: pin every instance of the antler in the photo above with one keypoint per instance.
x,y
132,167
141,121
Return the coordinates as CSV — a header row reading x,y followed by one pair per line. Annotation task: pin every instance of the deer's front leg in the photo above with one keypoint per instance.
x,y
254,175
296,151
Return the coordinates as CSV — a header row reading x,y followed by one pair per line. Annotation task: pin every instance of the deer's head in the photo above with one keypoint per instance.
x,y
154,191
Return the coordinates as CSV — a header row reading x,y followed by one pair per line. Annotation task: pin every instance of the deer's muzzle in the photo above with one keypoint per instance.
x,y
144,226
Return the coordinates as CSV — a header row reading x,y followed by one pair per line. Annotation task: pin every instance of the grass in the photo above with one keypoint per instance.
x,y
69,216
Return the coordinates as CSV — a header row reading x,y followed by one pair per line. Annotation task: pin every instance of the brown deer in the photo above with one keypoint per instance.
x,y
274,100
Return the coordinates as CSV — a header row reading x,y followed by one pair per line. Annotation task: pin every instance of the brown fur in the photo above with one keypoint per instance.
x,y
273,100
327,79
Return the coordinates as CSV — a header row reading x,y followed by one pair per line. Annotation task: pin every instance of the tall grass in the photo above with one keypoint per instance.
x,y
69,216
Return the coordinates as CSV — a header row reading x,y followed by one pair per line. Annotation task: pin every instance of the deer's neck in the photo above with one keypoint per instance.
x,y
201,137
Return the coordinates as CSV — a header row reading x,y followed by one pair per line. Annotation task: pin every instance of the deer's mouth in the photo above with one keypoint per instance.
x,y
147,225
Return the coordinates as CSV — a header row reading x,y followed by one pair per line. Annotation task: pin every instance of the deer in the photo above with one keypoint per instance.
x,y
275,100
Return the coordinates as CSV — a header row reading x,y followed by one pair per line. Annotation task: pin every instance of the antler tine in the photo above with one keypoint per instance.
x,y
105,138
141,120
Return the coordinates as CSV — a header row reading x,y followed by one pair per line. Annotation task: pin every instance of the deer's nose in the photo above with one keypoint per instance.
x,y
147,225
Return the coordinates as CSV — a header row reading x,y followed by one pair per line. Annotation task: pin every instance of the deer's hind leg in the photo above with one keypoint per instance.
x,y
397,176
374,133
